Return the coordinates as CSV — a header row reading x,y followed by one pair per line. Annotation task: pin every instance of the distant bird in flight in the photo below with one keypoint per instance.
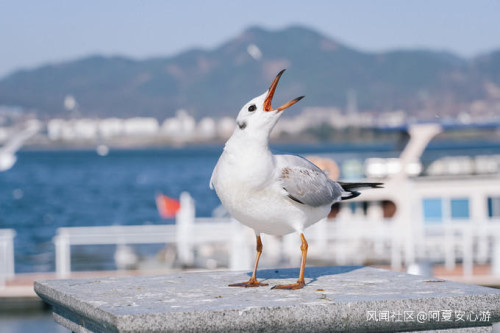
x,y
273,194
14,143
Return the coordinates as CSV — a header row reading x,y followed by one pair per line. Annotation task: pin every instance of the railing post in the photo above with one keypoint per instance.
x,y
9,249
185,222
63,254
468,256
6,255
239,257
495,259
3,260
321,241
409,244
449,246
394,231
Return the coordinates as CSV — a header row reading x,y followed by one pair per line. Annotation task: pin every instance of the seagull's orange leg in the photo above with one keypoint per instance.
x,y
253,280
300,282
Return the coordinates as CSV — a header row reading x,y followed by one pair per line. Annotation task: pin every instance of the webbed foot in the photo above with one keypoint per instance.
x,y
293,286
249,284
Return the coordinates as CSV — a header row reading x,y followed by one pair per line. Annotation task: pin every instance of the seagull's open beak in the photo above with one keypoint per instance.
x,y
270,94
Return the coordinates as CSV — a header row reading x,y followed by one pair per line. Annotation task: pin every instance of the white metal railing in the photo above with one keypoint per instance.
x,y
186,234
352,240
349,239
185,239
466,241
148,234
6,255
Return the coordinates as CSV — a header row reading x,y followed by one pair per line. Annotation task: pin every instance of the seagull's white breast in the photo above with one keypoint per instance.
x,y
249,187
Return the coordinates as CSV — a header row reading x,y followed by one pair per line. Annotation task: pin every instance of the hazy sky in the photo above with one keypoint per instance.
x,y
38,32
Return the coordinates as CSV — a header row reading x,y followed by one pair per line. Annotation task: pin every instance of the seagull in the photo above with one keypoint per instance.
x,y
273,194
8,150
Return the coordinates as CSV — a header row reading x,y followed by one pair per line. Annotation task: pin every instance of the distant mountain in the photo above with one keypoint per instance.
x,y
219,81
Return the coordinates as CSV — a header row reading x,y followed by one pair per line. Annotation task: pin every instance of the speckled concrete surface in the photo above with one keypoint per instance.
x,y
335,299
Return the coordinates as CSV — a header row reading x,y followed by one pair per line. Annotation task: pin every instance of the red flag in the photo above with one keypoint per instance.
x,y
167,207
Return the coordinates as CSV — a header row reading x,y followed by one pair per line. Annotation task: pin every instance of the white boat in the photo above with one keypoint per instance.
x,y
448,214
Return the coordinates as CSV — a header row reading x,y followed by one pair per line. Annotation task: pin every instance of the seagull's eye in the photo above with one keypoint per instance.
x,y
252,108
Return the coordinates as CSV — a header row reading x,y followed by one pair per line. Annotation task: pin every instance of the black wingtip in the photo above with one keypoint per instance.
x,y
352,195
356,186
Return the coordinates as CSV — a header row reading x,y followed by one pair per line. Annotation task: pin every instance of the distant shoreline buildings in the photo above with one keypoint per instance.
x,y
183,128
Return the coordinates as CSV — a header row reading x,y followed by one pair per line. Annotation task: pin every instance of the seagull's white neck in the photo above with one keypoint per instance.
x,y
249,157
243,141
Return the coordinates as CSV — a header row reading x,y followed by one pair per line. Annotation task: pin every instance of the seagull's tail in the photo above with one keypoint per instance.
x,y
352,189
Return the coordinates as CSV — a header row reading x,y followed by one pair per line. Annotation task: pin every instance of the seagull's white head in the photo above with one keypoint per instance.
x,y
258,117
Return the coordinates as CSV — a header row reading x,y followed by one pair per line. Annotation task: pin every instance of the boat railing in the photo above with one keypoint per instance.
x,y
464,241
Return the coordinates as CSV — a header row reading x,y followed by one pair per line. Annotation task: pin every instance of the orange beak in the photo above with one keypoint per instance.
x,y
270,94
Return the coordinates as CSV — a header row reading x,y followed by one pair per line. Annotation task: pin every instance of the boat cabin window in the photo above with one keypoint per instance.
x,y
459,209
388,208
433,210
437,209
494,207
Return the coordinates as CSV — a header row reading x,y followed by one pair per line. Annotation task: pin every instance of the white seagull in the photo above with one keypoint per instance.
x,y
8,150
273,194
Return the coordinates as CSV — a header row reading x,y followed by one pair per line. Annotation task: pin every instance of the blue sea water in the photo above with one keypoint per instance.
x,y
46,190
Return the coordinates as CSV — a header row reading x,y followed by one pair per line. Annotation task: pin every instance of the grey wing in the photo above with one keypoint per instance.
x,y
305,183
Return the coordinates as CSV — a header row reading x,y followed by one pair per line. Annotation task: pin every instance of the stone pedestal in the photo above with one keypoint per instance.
x,y
350,298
